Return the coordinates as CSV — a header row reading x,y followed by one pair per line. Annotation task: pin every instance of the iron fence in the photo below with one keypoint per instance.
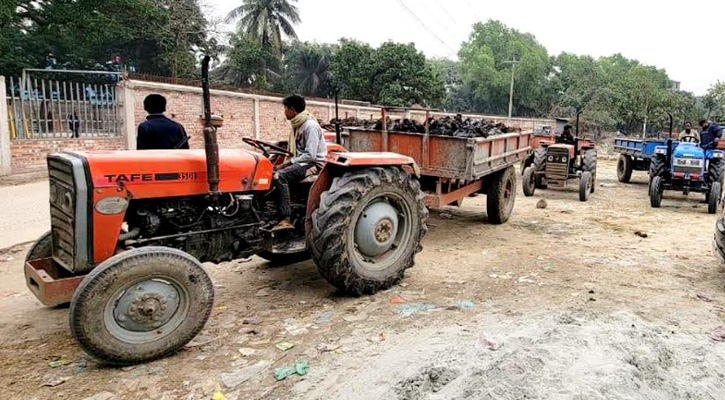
x,y
53,109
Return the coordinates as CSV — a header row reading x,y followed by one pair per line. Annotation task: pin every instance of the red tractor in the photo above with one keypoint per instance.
x,y
556,163
130,229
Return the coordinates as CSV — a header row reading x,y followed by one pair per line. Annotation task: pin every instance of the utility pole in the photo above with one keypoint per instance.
x,y
513,63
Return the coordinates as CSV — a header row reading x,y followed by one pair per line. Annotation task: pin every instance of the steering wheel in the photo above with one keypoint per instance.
x,y
267,148
690,139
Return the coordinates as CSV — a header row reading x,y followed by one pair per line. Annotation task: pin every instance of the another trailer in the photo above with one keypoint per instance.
x,y
635,155
453,168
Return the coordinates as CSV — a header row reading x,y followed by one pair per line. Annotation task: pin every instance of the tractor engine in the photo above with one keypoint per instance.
x,y
210,231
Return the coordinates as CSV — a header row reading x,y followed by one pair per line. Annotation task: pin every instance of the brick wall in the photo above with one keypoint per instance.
x,y
29,155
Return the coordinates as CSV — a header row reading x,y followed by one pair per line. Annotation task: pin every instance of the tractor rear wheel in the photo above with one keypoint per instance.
x,y
141,305
501,196
625,168
585,186
714,171
368,228
655,192
529,182
590,165
714,200
718,241
540,165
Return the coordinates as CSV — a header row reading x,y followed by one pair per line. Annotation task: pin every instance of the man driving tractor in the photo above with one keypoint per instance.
x,y
567,136
689,134
309,149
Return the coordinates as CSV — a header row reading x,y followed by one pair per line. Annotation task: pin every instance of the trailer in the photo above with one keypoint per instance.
x,y
635,155
453,168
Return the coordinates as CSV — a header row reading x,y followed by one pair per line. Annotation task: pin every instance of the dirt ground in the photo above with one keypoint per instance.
x,y
565,302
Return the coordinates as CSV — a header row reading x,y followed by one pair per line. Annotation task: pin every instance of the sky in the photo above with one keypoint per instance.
x,y
683,37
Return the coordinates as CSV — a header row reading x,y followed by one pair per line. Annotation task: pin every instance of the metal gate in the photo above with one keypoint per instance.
x,y
54,109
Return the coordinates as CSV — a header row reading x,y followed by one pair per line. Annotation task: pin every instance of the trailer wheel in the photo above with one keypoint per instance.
x,y
540,165
501,196
590,164
529,182
141,305
655,192
624,168
714,200
368,227
585,186
42,248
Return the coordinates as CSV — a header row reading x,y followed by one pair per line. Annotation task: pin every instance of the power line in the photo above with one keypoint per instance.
x,y
478,16
430,31
450,17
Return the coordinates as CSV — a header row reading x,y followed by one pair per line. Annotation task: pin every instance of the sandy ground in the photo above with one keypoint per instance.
x,y
25,215
561,303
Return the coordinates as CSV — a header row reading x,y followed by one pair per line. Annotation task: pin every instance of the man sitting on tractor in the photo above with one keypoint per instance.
x,y
567,136
689,134
710,135
307,144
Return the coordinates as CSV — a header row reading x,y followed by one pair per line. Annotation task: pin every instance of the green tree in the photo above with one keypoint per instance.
x,y
395,74
486,70
714,100
247,63
264,21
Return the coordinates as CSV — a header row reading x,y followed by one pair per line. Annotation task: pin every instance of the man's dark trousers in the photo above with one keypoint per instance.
x,y
282,179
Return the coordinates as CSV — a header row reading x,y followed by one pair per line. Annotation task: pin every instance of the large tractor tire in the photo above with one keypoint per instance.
x,y
540,165
657,167
715,171
625,166
585,186
655,192
713,200
528,181
141,305
590,165
368,229
501,196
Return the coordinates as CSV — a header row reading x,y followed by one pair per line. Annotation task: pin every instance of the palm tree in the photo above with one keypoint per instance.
x,y
309,68
265,20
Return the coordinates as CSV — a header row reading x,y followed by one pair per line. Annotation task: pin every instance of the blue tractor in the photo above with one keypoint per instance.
x,y
686,167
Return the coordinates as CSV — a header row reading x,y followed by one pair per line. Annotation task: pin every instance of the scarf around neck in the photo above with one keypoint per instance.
x,y
296,122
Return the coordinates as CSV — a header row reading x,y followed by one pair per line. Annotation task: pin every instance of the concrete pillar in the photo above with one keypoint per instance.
x,y
128,113
257,124
5,156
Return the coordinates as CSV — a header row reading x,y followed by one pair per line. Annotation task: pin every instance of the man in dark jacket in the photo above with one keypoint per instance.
x,y
159,132
710,135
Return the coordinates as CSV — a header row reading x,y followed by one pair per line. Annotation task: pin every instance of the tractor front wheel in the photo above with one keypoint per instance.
x,y
501,196
368,227
590,165
529,182
540,165
42,248
714,200
585,186
624,168
141,305
655,192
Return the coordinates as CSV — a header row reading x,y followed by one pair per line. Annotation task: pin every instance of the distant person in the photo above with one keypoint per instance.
x,y
710,135
159,132
74,124
567,136
688,134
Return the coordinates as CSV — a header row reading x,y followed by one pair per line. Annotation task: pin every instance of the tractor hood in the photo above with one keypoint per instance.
x,y
568,147
160,173
688,150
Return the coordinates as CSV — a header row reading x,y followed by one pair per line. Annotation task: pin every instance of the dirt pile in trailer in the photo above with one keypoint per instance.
x,y
455,126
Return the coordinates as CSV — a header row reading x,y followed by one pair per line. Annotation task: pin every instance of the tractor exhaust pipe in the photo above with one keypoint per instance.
x,y
578,114
338,130
672,122
211,146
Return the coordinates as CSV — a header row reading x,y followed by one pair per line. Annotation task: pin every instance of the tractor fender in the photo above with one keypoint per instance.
x,y
338,163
